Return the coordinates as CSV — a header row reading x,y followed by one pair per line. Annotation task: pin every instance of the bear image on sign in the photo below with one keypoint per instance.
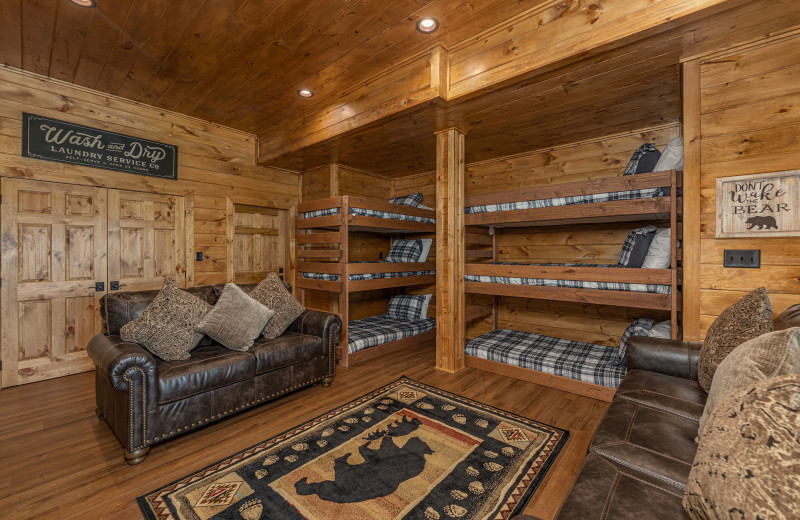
x,y
761,222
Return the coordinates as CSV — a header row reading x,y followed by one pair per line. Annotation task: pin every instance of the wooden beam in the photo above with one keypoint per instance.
x,y
691,201
450,306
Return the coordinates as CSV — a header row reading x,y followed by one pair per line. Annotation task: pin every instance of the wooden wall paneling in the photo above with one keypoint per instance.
x,y
352,181
11,33
450,328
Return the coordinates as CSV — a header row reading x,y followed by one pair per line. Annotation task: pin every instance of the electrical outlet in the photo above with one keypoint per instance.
x,y
750,258
198,256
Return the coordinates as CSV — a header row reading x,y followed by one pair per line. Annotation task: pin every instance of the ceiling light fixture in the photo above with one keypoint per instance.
x,y
305,93
427,25
85,3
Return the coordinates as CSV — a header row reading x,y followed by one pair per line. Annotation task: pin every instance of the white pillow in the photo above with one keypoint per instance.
x,y
661,330
426,249
672,158
658,255
424,313
423,206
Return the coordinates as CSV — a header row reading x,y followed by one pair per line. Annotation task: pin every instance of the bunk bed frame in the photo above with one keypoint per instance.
x,y
665,208
322,247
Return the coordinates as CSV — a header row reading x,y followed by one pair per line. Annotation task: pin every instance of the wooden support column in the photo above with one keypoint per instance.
x,y
691,201
450,322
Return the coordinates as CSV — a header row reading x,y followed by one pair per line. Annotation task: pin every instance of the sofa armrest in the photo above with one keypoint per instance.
x,y
125,364
326,325
665,356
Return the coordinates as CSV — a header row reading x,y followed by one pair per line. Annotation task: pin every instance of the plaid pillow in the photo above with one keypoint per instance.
x,y
634,249
644,159
639,327
406,307
408,200
405,251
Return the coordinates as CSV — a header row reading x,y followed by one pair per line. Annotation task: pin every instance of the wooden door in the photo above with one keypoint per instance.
x,y
53,260
257,243
146,240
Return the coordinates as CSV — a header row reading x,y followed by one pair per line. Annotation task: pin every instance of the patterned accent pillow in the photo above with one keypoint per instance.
x,y
167,326
746,466
644,159
638,327
407,307
634,249
405,251
746,319
236,320
273,294
770,355
408,200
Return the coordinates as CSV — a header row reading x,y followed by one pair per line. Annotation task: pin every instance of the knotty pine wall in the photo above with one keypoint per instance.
x,y
214,163
744,106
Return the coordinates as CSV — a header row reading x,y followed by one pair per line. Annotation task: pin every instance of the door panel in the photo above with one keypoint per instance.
x,y
146,240
258,247
53,252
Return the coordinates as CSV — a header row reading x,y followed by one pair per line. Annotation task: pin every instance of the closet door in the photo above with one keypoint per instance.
x,y
53,258
146,240
257,245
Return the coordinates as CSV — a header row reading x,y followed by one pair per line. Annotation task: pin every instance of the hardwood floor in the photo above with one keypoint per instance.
x,y
60,461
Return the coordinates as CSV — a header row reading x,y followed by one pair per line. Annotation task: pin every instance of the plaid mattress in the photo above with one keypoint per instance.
x,y
567,201
574,284
369,213
365,276
585,362
378,330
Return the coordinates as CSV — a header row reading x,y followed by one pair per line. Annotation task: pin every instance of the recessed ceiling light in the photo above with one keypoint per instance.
x,y
427,24
85,3
303,92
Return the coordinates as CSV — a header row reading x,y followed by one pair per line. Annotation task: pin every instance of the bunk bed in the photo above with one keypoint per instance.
x,y
653,197
324,228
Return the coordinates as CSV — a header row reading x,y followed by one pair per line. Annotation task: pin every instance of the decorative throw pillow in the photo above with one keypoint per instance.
x,y
273,294
405,251
747,464
644,159
659,254
408,200
746,319
672,157
167,326
236,320
770,355
638,327
634,249
408,307
426,249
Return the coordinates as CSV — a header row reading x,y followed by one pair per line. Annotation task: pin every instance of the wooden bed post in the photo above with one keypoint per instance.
x,y
450,319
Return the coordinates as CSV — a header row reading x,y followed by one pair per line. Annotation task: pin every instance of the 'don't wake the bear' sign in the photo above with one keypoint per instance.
x,y
759,205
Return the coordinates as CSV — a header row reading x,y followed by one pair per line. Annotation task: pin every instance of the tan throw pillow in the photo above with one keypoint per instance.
x,y
746,319
272,293
770,355
236,320
747,465
166,327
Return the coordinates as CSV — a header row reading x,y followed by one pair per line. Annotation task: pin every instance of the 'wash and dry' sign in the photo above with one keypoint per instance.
x,y
59,141
767,204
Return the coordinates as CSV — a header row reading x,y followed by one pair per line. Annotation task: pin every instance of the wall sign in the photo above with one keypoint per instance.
x,y
59,141
767,204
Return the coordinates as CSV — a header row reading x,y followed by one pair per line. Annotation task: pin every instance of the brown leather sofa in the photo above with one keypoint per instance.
x,y
641,454
146,400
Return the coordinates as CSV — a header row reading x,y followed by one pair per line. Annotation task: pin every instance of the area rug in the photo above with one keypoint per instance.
x,y
407,450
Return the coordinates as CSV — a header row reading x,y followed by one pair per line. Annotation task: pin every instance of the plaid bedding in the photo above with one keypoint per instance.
x,y
585,362
370,213
365,276
377,330
574,284
567,201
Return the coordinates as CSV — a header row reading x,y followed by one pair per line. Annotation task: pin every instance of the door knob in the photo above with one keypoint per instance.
x,y
100,286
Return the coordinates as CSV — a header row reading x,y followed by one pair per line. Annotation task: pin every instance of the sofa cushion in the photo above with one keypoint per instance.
x,y
166,328
788,318
209,367
748,462
287,349
236,320
668,393
605,490
746,319
652,441
272,293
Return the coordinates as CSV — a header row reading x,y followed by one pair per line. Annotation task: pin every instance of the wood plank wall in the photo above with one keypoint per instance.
x,y
749,121
214,163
